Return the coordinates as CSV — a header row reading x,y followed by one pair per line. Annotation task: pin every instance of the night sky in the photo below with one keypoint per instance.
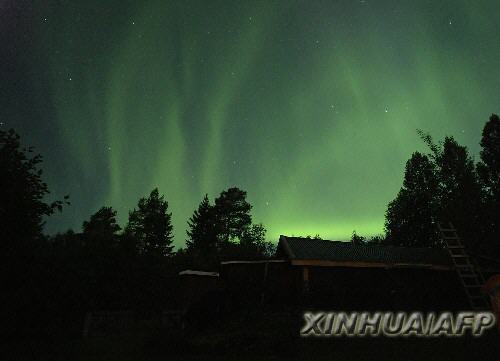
x,y
310,106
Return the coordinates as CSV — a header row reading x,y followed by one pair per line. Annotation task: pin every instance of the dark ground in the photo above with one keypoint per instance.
x,y
255,337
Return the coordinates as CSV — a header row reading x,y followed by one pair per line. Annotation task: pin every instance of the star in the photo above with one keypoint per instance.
x,y
386,109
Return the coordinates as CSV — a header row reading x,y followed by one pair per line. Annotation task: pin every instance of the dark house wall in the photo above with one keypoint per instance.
x,y
383,289
251,285
340,288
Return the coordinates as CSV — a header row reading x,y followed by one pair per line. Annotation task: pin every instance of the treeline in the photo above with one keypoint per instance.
x,y
447,185
218,231
52,281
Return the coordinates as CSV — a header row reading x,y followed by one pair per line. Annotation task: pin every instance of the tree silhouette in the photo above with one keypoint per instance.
x,y
410,217
489,166
357,239
22,193
489,174
224,231
202,233
379,239
29,285
232,214
253,242
459,190
441,186
101,230
150,225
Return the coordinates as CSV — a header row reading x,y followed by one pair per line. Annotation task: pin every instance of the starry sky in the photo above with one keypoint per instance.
x,y
310,106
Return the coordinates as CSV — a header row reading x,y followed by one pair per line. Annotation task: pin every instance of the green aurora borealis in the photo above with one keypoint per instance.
x,y
310,106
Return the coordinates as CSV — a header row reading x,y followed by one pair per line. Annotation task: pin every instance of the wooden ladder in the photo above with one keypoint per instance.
x,y
470,277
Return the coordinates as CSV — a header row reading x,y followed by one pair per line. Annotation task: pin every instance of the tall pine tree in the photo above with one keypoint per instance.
x,y
202,233
150,225
441,186
489,174
459,190
100,231
409,217
232,215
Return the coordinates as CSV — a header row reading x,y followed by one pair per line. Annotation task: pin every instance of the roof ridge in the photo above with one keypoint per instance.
x,y
309,248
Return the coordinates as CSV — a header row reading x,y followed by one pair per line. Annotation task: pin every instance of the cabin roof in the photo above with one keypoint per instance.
x,y
324,252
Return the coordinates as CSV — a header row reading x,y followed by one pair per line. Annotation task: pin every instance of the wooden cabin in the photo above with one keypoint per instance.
x,y
322,274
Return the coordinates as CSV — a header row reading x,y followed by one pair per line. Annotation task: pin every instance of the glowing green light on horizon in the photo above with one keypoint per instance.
x,y
313,113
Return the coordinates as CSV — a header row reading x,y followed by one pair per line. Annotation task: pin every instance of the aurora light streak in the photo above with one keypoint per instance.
x,y
310,106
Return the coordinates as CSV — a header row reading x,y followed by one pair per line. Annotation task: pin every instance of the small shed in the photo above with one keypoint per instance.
x,y
196,285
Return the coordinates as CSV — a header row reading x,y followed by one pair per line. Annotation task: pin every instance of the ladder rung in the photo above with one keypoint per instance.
x,y
469,277
472,289
483,303
480,306
472,286
474,297
460,264
478,299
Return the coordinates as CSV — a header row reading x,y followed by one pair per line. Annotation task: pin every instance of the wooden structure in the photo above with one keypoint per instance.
x,y
469,275
314,273
320,274
195,285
